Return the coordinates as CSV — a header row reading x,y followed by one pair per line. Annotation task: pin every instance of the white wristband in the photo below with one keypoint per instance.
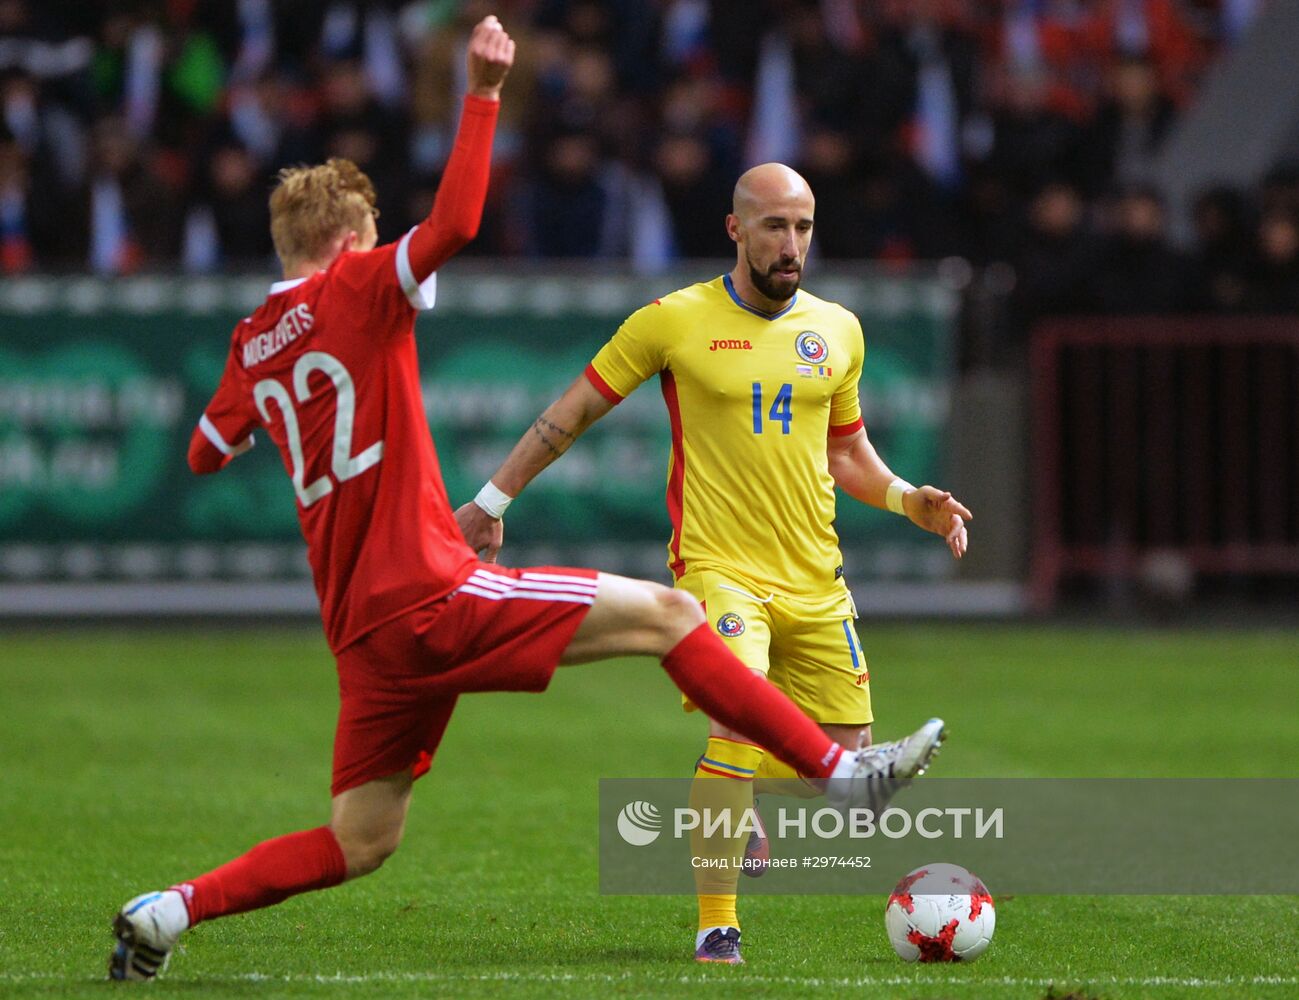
x,y
492,501
893,496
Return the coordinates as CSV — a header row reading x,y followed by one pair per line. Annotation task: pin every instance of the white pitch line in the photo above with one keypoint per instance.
x,y
740,979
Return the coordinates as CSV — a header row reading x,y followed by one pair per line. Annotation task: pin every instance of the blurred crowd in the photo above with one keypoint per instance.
x,y
145,135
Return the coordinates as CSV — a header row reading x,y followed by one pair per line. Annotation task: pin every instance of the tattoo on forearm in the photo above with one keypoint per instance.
x,y
543,428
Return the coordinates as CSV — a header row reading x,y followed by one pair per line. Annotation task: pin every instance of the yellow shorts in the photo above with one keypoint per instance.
x,y
807,647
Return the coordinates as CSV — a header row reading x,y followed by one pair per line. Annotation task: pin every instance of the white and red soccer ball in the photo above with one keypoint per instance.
x,y
940,913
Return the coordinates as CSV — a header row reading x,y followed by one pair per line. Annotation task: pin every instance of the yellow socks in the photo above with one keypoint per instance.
x,y
723,784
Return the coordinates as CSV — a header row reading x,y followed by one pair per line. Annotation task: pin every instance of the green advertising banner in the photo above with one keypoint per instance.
x,y
102,382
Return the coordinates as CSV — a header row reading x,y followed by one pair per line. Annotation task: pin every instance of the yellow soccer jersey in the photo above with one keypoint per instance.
x,y
751,399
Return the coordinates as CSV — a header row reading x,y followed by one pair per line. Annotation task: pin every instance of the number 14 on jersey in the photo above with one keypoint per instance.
x,y
781,408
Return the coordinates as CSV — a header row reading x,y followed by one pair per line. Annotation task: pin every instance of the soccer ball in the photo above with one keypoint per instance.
x,y
940,913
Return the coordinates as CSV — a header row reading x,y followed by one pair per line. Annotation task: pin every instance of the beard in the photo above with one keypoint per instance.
x,y
772,285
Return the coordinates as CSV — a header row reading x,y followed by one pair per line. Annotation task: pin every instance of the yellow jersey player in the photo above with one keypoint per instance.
x,y
760,379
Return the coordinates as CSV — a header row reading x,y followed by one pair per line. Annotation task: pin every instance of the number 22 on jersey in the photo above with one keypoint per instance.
x,y
781,408
345,465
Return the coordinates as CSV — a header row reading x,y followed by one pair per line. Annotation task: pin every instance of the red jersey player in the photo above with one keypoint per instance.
x,y
327,368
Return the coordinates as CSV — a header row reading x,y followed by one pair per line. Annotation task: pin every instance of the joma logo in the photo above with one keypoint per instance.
x,y
731,345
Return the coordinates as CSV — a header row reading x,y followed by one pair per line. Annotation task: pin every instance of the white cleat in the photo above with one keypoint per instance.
x,y
147,929
869,778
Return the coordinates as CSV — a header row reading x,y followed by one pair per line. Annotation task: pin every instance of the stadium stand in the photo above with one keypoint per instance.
x,y
143,135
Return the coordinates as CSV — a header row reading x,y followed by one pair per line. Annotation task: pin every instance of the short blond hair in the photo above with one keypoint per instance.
x,y
310,206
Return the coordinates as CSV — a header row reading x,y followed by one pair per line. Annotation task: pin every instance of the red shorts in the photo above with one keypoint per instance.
x,y
502,630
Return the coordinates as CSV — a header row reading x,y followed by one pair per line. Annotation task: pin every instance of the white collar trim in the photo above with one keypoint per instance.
x,y
284,286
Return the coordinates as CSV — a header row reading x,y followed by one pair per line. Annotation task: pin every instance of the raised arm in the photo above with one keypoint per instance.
x,y
458,207
550,436
858,470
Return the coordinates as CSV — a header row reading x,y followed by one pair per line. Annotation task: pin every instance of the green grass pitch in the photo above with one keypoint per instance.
x,y
129,759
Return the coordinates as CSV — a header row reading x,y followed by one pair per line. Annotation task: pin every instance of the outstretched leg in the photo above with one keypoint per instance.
x,y
635,616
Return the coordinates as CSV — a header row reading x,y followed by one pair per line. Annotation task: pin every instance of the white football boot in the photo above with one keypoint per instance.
x,y
147,929
869,777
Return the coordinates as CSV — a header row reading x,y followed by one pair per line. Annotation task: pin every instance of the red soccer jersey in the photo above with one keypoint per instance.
x,y
327,365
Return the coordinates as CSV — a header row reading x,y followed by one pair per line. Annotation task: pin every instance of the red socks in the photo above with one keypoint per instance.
x,y
272,871
713,678
706,671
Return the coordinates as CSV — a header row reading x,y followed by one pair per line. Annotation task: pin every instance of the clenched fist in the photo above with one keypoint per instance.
x,y
491,54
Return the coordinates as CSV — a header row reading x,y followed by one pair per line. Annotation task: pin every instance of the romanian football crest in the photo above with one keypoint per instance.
x,y
730,625
811,347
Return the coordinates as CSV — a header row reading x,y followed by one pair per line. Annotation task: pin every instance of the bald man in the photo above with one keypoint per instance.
x,y
760,380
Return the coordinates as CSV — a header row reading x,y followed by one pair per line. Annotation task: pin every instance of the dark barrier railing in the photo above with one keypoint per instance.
x,y
1165,448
